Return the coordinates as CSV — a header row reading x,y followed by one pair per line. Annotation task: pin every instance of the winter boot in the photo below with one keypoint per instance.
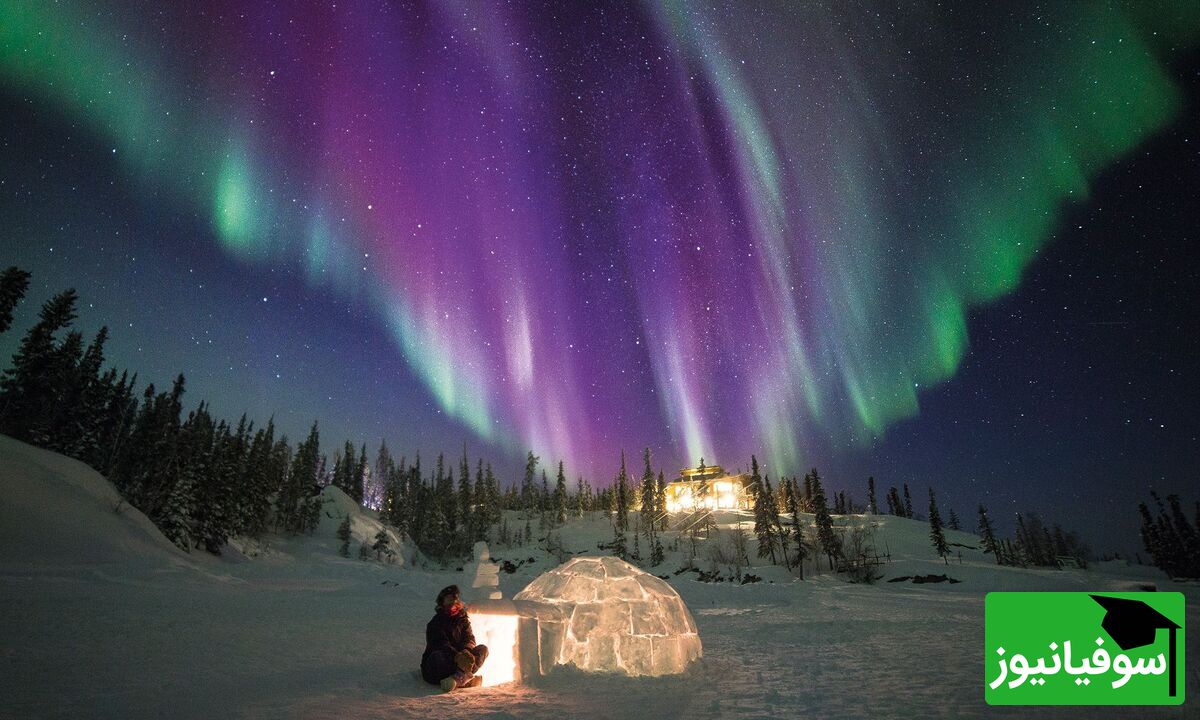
x,y
448,684
475,681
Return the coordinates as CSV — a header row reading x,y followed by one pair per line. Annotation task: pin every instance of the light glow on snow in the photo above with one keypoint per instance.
x,y
499,633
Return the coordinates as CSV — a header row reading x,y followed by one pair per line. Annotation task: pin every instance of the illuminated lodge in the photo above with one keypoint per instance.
x,y
713,489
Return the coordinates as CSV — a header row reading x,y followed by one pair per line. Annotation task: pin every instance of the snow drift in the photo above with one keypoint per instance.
x,y
55,511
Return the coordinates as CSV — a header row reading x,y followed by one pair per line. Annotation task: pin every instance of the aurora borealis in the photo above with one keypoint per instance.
x,y
587,227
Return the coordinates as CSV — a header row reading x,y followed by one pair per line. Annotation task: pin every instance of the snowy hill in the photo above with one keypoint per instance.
x,y
55,511
903,545
106,619
323,543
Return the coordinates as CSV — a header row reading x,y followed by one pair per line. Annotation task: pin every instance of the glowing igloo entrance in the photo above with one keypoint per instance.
x,y
602,614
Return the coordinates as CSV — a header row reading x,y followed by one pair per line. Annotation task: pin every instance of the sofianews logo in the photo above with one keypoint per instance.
x,y
1068,648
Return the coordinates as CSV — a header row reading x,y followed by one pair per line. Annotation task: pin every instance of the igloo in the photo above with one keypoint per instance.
x,y
602,614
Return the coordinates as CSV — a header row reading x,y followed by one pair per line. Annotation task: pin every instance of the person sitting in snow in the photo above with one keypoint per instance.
x,y
451,656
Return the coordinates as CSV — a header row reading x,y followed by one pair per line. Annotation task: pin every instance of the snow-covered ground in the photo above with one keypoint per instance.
x,y
100,617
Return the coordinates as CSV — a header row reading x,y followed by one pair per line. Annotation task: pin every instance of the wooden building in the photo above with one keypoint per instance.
x,y
711,488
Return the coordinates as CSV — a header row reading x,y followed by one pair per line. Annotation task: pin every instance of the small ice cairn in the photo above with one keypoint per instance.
x,y
484,574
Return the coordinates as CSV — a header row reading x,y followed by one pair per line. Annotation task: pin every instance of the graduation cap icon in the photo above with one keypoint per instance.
x,y
1134,624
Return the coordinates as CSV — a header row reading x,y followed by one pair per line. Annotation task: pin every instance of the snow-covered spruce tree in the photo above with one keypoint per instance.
x,y
462,536
619,547
826,537
660,502
953,522
649,497
764,527
578,503
436,541
656,552
480,521
176,523
27,386
392,507
494,506
342,471
381,472
343,535
543,495
13,283
411,512
182,515
936,536
989,535
213,490
382,546
621,518
510,499
560,497
793,507
871,506
1022,549
908,509
364,552
358,481
63,375
79,405
465,502
780,493
1171,540
773,508
143,471
528,493
419,506
294,498
1031,538
115,421
278,467
445,499
231,465
253,491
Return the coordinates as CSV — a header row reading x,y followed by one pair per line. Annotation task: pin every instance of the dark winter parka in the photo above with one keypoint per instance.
x,y
445,636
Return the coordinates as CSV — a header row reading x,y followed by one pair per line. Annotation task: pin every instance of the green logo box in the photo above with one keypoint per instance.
x,y
1075,648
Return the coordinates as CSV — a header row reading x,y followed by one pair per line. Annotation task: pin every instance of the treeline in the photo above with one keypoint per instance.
x,y
1172,541
200,479
203,480
1034,543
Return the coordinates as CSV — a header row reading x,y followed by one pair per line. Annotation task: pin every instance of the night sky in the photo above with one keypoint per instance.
x,y
945,247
